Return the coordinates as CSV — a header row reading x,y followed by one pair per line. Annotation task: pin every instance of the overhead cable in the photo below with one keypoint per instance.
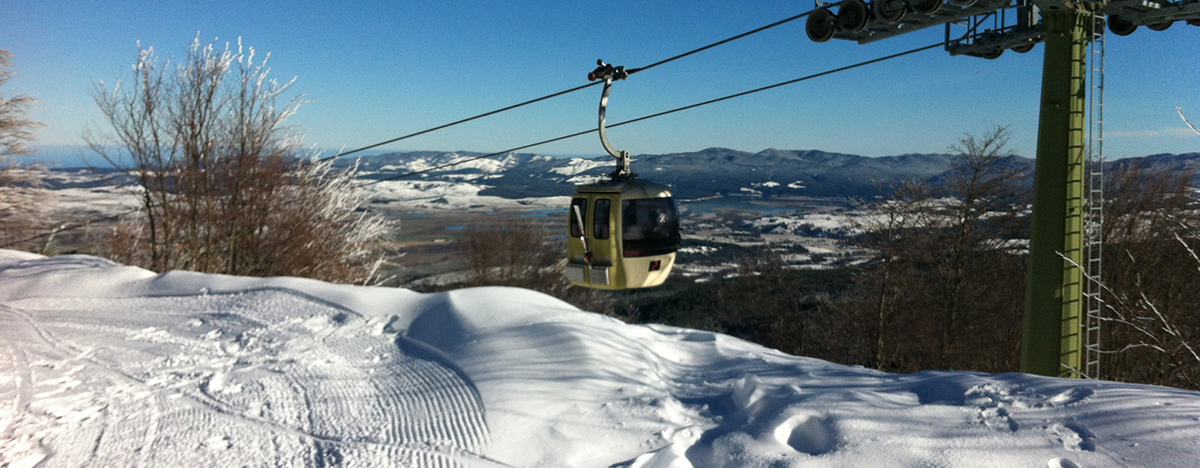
x,y
567,91
660,114
468,119
720,42
560,138
456,122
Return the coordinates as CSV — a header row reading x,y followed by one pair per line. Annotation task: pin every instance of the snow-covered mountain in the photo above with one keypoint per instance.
x,y
714,171
692,175
460,162
108,365
460,179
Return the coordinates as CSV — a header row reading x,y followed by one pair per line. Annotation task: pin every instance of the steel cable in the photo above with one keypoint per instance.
x,y
660,114
569,91
560,138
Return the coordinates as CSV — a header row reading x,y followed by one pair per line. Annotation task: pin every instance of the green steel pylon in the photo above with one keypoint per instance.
x,y
1051,344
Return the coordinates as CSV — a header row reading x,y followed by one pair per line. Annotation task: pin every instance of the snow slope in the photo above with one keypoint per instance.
x,y
107,365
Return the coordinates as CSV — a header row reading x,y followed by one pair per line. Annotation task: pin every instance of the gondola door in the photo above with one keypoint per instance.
x,y
593,252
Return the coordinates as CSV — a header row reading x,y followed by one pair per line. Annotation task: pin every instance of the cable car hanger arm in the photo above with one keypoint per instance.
x,y
609,73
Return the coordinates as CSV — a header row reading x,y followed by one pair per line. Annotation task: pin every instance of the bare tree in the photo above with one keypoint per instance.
x,y
1151,277
977,221
15,125
944,290
1171,337
19,183
762,303
223,187
889,226
522,253
517,253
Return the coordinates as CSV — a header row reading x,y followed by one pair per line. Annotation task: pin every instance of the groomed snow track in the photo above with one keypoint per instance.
x,y
268,376
108,365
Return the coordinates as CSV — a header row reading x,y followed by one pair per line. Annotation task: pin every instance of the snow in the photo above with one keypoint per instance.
x,y
457,161
97,201
698,249
108,365
830,222
443,195
579,165
583,179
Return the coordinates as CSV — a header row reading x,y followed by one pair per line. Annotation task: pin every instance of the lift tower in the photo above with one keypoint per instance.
x,y
1051,343
1055,332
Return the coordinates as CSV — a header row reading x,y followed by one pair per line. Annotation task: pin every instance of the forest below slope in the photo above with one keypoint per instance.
x,y
943,287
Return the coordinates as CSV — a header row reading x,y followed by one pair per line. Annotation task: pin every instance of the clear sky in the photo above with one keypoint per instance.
x,y
379,69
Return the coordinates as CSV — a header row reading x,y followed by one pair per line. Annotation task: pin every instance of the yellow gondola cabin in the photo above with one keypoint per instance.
x,y
623,234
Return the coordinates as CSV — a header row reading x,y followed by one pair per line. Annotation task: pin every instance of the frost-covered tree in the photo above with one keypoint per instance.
x,y
19,183
224,187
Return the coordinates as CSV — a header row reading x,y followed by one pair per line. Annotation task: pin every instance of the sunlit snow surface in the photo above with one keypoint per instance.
x,y
106,365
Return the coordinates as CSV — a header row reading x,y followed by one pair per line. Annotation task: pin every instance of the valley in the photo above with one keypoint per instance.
x,y
810,233
801,204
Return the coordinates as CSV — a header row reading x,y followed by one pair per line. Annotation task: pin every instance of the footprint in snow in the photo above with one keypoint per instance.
x,y
997,418
806,432
1073,437
1061,463
1070,396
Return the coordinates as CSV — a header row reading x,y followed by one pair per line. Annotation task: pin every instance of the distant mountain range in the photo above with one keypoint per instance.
x,y
714,171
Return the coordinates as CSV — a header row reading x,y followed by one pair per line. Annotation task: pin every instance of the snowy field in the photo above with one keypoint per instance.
x,y
406,195
107,365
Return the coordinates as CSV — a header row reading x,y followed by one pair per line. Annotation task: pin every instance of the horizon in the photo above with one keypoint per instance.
x,y
81,157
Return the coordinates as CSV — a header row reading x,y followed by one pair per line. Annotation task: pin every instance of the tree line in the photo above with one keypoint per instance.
x,y
945,286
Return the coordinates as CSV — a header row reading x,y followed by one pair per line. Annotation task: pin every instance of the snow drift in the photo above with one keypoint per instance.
x,y
108,365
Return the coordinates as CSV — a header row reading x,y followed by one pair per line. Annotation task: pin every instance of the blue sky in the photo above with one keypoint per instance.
x,y
376,70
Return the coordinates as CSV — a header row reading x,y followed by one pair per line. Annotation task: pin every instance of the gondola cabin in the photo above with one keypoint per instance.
x,y
623,235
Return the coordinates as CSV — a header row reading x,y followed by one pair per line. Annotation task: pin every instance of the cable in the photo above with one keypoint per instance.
x,y
660,114
721,42
780,84
569,91
468,119
563,137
